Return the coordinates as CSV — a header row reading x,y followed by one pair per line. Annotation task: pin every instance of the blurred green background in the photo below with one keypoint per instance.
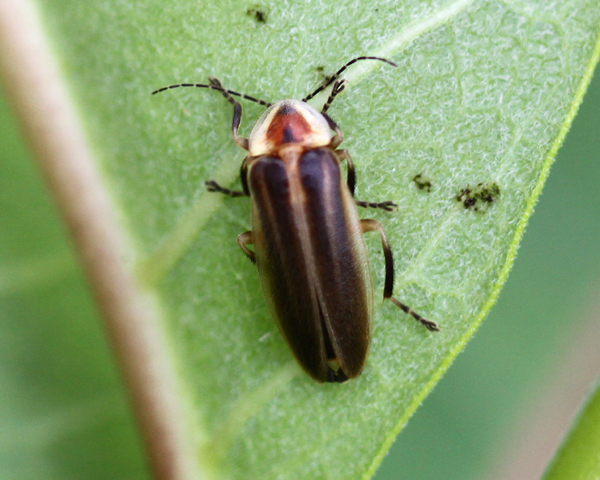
x,y
63,414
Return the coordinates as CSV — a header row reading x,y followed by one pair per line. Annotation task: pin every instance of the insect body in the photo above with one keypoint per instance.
x,y
307,235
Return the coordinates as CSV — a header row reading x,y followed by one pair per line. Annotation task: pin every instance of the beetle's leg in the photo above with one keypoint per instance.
x,y
374,225
338,137
213,186
351,180
237,113
388,206
246,239
244,175
336,377
338,87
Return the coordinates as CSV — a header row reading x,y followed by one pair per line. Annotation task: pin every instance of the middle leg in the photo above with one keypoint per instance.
x,y
388,206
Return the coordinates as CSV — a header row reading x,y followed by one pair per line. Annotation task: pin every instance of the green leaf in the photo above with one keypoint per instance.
x,y
578,459
484,94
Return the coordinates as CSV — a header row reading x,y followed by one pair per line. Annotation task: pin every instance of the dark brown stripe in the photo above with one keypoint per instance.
x,y
284,271
342,282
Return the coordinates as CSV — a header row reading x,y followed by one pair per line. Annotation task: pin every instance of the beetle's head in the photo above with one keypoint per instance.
x,y
285,123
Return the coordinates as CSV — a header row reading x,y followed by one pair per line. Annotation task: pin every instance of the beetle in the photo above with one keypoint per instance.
x,y
307,235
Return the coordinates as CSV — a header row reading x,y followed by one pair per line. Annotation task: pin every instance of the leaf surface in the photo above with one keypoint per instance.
x,y
483,96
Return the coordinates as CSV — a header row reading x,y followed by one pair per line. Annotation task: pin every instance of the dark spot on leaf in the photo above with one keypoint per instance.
x,y
422,183
324,78
480,196
260,14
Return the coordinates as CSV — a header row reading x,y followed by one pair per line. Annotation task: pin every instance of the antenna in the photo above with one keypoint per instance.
x,y
214,87
340,71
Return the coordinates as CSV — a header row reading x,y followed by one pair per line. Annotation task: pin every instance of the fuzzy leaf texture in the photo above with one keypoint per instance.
x,y
484,93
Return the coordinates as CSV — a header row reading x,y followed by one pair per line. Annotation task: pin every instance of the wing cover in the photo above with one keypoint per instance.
x,y
343,275
312,260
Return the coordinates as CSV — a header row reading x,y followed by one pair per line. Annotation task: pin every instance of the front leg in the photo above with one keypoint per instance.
x,y
237,113
338,137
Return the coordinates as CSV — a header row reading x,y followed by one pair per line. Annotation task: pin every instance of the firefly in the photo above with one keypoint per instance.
x,y
307,236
